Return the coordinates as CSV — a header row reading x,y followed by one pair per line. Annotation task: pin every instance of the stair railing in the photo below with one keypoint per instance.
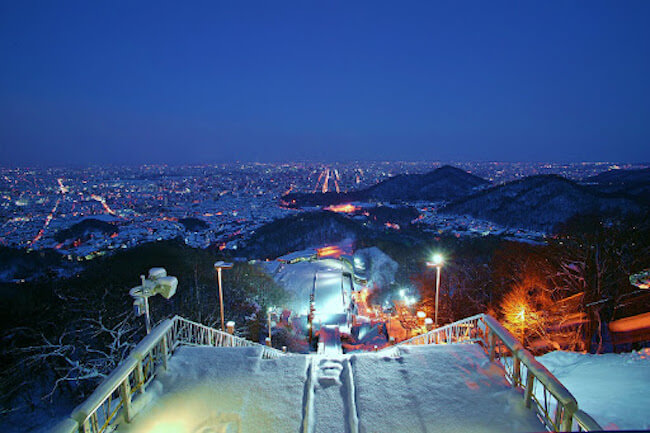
x,y
111,402
555,406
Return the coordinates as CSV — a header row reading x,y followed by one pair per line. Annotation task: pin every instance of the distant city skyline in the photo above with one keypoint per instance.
x,y
104,83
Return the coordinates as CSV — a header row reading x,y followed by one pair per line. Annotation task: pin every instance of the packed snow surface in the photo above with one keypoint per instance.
x,y
452,388
222,389
441,388
613,388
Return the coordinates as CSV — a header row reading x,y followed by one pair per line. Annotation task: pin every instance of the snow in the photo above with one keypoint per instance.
x,y
612,388
380,268
298,280
224,389
443,388
416,389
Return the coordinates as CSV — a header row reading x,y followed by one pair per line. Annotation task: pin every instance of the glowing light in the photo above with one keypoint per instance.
x,y
343,208
330,251
421,314
48,220
437,259
521,316
103,202
326,181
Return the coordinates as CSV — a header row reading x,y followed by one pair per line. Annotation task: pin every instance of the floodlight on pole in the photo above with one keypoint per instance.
x,y
437,262
158,283
219,266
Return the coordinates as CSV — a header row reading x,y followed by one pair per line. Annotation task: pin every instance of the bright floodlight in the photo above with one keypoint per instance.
x,y
402,292
437,259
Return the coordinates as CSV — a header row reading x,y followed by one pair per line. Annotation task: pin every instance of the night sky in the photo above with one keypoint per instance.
x,y
131,82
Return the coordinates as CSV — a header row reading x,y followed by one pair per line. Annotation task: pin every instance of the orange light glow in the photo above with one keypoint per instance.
x,y
345,208
521,316
330,251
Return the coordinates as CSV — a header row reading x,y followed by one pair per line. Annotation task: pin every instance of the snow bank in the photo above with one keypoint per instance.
x,y
612,388
380,268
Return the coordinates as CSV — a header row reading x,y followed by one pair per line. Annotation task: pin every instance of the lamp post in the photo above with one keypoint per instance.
x,y
158,283
219,266
437,262
269,318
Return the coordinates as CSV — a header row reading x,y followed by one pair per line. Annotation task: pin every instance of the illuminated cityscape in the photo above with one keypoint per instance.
x,y
324,217
147,203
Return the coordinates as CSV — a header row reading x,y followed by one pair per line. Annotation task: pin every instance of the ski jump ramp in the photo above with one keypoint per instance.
x,y
465,377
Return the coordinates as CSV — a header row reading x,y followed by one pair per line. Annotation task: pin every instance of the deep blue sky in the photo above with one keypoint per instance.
x,y
130,82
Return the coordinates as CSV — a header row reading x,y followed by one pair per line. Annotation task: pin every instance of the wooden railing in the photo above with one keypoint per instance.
x,y
555,405
111,402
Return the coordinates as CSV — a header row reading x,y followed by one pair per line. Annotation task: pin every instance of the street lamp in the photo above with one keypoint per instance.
x,y
219,266
437,262
269,316
158,283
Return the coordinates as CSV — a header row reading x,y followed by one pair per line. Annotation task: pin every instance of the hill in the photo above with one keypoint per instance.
x,y
299,232
634,183
194,224
540,203
443,184
85,229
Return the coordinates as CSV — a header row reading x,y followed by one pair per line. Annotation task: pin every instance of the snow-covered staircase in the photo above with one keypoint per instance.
x,y
330,397
467,376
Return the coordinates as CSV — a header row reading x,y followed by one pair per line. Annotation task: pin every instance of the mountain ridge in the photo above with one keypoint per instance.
x,y
539,202
442,184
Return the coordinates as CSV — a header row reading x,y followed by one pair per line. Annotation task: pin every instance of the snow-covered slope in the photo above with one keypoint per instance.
x,y
224,389
612,388
438,388
451,388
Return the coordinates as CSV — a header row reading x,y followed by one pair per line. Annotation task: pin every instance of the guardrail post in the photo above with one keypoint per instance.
x,y
139,376
493,345
567,420
528,394
516,370
125,396
165,353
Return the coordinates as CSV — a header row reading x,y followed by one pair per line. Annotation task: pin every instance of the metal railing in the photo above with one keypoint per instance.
x,y
462,331
554,404
190,333
111,402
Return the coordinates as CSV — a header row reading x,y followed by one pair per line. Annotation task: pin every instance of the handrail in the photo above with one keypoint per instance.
x,y
584,422
206,336
523,371
111,403
456,332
